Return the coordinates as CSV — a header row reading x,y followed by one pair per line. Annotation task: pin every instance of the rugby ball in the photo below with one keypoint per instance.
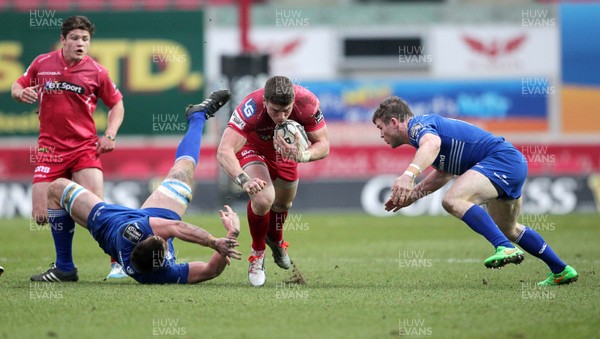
x,y
288,131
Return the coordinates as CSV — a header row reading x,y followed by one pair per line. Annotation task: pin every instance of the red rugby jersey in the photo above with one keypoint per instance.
x,y
67,98
250,119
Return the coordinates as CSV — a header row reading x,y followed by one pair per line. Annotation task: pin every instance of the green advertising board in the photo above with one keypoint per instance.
x,y
156,59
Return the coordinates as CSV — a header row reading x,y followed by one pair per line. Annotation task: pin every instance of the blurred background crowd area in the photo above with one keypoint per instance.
x,y
526,70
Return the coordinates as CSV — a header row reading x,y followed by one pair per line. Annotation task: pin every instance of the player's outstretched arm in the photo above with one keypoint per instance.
x,y
403,190
432,182
202,271
225,247
166,229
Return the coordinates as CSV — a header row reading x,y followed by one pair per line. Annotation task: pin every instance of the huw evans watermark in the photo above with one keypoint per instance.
x,y
167,327
168,123
414,327
412,258
290,18
286,291
44,19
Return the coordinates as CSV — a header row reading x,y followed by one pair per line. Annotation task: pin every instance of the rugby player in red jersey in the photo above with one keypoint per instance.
x,y
267,168
67,84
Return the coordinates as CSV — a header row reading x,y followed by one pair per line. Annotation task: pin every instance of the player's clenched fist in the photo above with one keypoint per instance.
x,y
29,94
254,185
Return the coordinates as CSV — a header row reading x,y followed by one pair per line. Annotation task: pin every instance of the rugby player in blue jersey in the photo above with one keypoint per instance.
x,y
488,170
141,239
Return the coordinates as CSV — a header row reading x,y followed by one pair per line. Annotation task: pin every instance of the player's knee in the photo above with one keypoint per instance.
x,y
281,207
56,188
449,203
261,203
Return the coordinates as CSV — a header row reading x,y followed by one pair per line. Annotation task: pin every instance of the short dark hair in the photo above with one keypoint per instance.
x,y
77,22
148,255
279,90
392,107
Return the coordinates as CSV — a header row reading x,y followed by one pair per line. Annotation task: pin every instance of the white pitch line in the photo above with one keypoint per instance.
x,y
396,260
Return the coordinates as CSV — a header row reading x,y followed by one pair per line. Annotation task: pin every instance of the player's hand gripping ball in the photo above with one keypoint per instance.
x,y
289,130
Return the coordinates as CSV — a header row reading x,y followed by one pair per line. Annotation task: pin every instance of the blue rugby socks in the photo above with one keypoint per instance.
x,y
532,242
62,227
189,147
481,222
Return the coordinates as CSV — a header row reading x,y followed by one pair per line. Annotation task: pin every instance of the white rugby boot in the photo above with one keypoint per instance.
x,y
256,268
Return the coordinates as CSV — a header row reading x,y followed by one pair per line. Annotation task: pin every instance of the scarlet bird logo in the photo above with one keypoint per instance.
x,y
286,49
496,47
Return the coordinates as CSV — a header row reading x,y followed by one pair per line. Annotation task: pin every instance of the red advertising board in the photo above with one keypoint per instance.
x,y
343,162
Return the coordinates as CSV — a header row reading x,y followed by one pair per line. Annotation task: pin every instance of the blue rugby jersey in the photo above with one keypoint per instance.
x,y
118,229
463,144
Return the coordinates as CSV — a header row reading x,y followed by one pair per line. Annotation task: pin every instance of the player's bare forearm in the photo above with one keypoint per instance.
x,y
432,182
319,147
231,143
195,234
115,118
319,150
203,271
166,229
15,91
217,263
229,163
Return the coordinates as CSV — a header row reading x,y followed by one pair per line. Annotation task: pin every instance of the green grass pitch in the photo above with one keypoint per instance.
x,y
365,277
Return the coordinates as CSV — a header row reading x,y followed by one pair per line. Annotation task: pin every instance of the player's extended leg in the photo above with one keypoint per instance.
x,y
259,216
93,180
462,201
62,226
175,192
73,198
68,202
39,202
506,213
285,193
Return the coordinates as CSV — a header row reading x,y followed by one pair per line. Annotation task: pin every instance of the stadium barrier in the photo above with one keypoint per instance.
x,y
563,179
